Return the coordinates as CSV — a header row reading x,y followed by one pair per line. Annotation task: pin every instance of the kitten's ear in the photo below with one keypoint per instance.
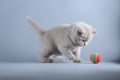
x,y
93,31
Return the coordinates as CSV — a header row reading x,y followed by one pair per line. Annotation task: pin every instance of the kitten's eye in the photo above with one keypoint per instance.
x,y
79,33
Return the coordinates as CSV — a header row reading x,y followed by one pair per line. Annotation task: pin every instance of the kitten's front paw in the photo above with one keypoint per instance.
x,y
77,61
72,58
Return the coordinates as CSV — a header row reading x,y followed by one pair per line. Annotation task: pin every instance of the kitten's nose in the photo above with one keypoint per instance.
x,y
83,40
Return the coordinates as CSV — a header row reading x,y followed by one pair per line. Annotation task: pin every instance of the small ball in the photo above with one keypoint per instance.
x,y
95,58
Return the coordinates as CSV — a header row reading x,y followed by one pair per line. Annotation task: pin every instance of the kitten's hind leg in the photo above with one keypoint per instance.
x,y
56,59
44,57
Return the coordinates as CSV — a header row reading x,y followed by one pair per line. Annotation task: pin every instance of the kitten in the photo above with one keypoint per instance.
x,y
65,40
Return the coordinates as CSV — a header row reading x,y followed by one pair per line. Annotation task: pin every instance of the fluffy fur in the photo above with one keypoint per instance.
x,y
65,40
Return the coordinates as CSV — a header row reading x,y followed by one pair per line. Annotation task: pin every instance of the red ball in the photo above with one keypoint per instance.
x,y
95,58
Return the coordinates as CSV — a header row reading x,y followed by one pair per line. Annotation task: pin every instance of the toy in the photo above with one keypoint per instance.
x,y
95,58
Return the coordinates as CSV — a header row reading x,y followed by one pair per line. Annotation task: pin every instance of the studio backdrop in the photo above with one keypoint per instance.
x,y
20,43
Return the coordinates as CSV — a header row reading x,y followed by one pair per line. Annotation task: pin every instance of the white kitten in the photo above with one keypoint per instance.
x,y
65,40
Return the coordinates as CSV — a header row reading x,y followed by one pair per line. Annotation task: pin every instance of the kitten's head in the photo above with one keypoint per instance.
x,y
82,33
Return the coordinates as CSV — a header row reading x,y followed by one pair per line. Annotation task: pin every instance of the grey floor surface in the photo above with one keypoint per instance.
x,y
59,71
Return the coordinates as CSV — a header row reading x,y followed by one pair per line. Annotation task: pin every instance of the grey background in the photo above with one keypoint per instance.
x,y
20,43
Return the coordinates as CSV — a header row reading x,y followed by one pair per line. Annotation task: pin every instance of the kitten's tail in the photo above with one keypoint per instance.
x,y
36,26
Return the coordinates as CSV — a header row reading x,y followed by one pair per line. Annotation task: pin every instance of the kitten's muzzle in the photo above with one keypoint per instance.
x,y
84,43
